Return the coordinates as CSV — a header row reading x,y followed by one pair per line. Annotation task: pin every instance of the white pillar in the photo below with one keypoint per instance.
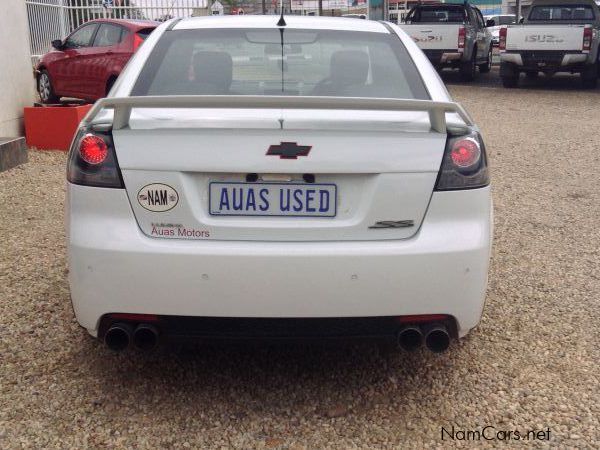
x,y
16,74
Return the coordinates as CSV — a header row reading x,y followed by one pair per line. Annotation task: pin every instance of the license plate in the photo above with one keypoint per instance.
x,y
272,199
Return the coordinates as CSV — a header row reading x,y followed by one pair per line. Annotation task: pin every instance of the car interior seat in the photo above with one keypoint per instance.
x,y
348,71
212,72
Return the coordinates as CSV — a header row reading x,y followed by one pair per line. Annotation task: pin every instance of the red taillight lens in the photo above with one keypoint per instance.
x,y
92,149
502,38
465,153
461,38
137,41
587,39
464,165
92,159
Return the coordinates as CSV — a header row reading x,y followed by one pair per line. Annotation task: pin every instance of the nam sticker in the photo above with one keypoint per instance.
x,y
158,197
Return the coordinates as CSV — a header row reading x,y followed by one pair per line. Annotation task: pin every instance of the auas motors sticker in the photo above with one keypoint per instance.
x,y
158,197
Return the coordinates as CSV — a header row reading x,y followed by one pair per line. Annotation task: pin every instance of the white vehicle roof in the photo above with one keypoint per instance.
x,y
297,22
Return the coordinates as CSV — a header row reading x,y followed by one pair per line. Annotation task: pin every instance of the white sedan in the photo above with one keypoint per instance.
x,y
250,177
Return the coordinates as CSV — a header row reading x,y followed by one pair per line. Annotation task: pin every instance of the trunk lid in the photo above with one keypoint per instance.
x,y
377,171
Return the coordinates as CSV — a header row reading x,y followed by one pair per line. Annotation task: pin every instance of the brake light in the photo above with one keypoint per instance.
x,y
587,39
92,149
461,38
92,160
464,165
137,41
465,153
502,38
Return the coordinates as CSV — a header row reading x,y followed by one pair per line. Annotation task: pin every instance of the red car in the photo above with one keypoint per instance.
x,y
86,64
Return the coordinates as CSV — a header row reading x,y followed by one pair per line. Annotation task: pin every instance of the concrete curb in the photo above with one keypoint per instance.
x,y
13,151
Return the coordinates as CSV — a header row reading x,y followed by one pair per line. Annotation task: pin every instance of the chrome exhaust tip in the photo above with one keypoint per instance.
x,y
410,338
145,337
437,339
118,337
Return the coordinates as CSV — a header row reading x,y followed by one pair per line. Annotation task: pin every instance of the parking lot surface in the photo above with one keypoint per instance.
x,y
531,365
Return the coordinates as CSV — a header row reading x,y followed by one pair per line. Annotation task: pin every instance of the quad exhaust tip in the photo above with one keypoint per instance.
x,y
410,338
437,339
145,337
118,337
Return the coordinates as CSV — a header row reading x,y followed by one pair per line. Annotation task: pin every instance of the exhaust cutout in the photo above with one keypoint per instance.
x,y
118,336
410,338
437,339
145,337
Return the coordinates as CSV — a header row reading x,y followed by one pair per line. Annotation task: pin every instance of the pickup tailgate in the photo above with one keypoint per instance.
x,y
433,36
545,37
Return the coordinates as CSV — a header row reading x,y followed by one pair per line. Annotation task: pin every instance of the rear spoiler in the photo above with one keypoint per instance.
x,y
122,106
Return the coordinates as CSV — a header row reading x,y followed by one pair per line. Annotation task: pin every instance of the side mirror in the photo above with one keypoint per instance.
x,y
521,20
57,44
490,23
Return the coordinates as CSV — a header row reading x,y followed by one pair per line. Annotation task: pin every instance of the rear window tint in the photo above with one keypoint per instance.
x,y
437,14
562,12
266,62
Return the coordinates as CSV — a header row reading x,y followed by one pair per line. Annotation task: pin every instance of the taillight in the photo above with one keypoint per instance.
x,y
465,153
137,41
464,165
92,160
587,38
461,38
92,149
502,38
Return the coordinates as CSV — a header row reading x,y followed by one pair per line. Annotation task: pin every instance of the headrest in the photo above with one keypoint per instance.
x,y
349,67
215,68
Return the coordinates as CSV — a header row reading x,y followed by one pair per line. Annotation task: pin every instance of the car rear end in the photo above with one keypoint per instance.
x,y
140,30
249,180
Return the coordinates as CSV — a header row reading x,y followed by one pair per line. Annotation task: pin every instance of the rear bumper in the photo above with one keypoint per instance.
x,y
114,267
545,61
443,57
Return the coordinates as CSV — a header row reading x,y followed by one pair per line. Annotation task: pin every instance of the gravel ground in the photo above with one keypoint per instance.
x,y
532,363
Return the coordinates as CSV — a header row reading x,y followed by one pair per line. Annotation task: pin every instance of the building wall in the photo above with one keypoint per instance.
x,y
16,75
510,6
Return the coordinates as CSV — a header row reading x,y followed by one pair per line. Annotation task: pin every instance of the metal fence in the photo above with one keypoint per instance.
x,y
55,19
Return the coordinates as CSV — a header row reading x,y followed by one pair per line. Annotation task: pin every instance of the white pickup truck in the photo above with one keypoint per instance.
x,y
451,35
557,36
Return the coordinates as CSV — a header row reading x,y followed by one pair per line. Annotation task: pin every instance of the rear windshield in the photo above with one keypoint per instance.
x,y
290,62
562,12
437,14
